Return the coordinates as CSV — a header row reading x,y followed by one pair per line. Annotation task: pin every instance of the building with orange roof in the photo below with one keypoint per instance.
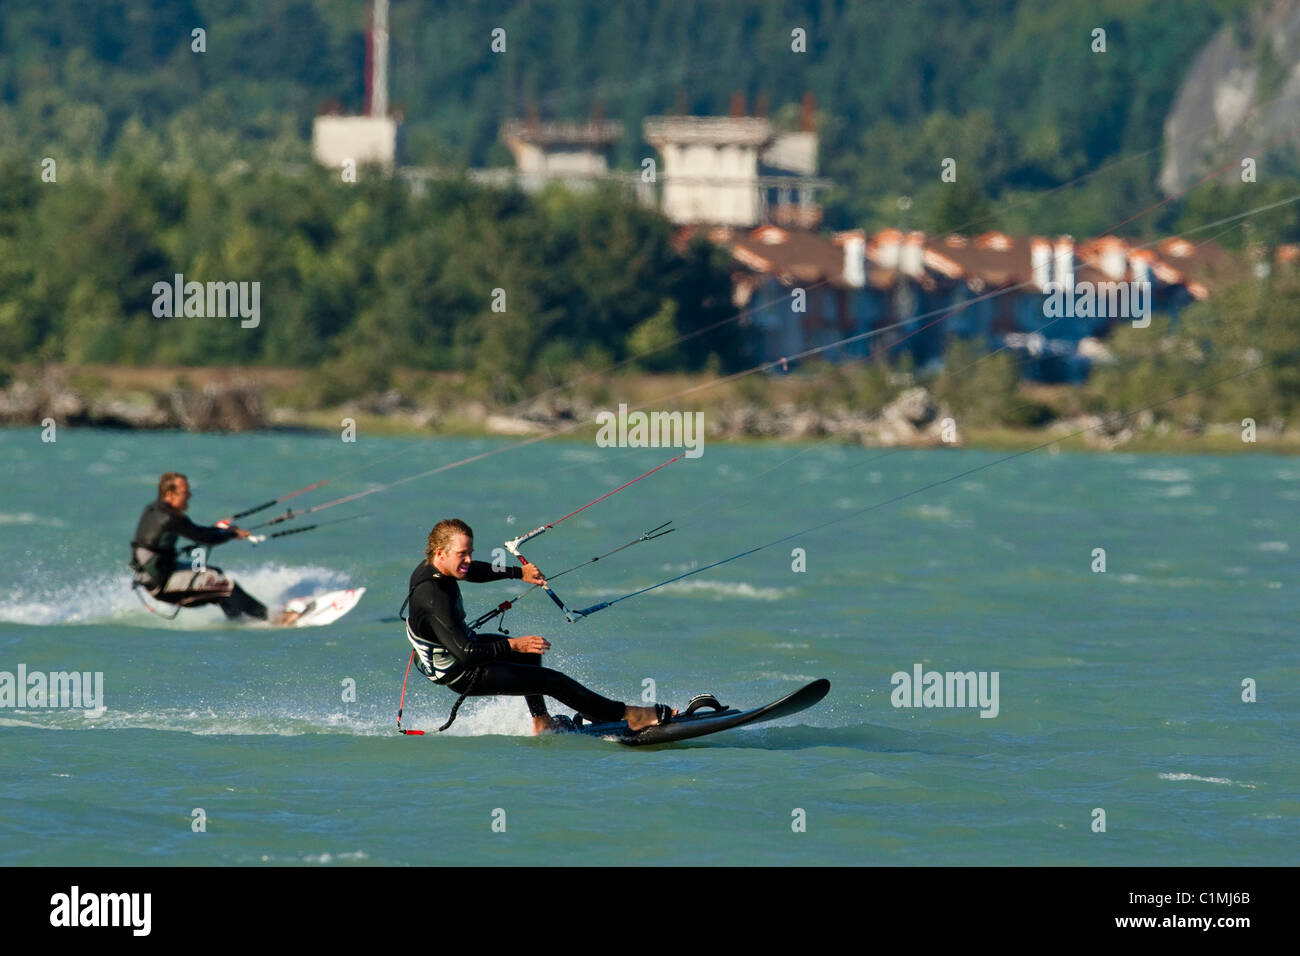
x,y
895,292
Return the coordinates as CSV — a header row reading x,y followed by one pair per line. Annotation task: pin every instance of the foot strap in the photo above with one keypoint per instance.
x,y
702,700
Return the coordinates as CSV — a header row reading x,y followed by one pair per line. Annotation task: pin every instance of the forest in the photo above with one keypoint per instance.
x,y
174,161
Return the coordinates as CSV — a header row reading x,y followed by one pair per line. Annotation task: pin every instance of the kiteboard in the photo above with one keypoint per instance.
x,y
321,609
704,715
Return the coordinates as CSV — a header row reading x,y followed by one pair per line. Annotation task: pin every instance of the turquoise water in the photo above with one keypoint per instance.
x,y
1118,690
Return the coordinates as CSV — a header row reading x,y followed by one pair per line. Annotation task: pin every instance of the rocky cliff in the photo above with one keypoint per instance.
x,y
1241,93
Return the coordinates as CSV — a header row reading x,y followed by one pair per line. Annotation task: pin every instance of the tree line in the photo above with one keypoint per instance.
x,y
357,279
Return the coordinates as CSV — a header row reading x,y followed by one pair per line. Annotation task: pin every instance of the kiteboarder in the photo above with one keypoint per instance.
x,y
449,653
154,561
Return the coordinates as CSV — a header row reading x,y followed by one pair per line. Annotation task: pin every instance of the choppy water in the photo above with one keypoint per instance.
x,y
1119,690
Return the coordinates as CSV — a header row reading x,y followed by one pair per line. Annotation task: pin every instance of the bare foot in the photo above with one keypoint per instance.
x,y
292,611
546,725
639,718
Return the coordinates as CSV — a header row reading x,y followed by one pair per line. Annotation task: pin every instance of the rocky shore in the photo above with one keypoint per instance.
x,y
240,402
236,406
912,420
240,405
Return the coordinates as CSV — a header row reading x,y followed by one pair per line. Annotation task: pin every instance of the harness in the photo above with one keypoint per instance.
x,y
149,576
145,580
144,562
151,562
421,649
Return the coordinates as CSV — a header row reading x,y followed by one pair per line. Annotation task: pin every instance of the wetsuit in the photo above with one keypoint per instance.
x,y
450,653
153,559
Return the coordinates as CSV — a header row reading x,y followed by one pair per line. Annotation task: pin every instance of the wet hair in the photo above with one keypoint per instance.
x,y
441,535
169,482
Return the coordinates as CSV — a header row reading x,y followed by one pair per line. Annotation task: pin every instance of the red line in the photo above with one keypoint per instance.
x,y
302,491
615,491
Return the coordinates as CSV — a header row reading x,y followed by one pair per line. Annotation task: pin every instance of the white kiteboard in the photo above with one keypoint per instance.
x,y
323,608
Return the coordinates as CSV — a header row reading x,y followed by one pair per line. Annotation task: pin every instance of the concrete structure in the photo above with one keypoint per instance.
x,y
361,139
735,171
709,170
371,138
573,152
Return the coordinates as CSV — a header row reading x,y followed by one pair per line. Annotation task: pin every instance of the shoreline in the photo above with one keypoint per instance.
x,y
786,410
991,439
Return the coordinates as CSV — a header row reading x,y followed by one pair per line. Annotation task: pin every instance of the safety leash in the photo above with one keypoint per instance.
x,y
475,674
402,703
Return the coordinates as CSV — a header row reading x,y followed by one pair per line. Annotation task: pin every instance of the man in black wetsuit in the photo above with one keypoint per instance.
x,y
449,653
153,555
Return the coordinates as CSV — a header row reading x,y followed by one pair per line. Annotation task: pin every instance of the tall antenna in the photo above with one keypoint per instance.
x,y
377,61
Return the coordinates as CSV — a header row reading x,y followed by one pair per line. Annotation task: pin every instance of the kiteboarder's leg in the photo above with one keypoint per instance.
x,y
524,680
536,704
241,602
235,601
520,679
542,721
190,588
194,588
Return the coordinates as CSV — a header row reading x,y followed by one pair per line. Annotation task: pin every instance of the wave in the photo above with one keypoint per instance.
x,y
26,517
321,858
503,716
933,512
1171,475
1220,780
108,597
722,589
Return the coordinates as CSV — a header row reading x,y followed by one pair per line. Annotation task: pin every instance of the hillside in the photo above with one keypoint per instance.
x,y
1012,90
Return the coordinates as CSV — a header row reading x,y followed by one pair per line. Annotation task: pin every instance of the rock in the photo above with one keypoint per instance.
x,y
805,424
65,405
914,406
556,409
390,402
133,413
1227,93
1107,432
512,425
843,423
20,405
29,403
907,420
234,407
732,421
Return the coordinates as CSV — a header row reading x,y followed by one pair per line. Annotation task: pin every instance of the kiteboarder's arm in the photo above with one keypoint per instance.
x,y
481,572
204,535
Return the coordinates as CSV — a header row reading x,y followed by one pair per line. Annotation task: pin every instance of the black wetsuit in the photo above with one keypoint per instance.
x,y
153,558
483,664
